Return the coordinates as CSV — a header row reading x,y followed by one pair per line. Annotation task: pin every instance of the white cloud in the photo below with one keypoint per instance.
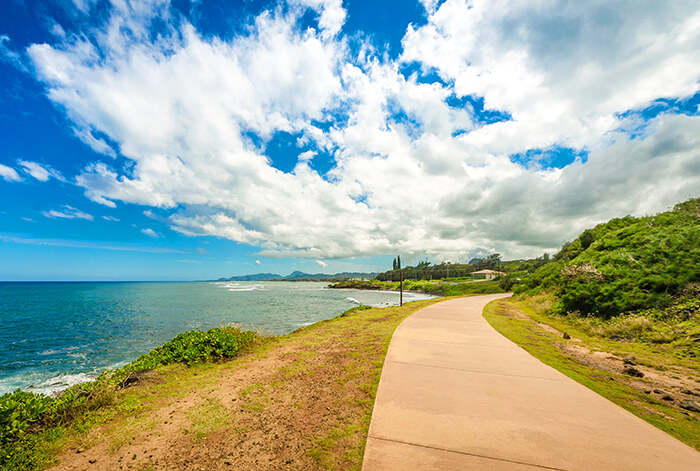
x,y
67,212
412,173
321,263
561,70
257,262
8,55
110,218
150,233
201,251
331,14
40,172
9,174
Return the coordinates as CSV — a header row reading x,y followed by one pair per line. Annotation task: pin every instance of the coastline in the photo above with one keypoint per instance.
x,y
60,334
312,390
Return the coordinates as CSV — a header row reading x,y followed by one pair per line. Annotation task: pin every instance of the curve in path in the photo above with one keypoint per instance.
x,y
456,394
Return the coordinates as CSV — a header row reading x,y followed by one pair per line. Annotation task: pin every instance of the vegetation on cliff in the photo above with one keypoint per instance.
x,y
626,265
24,415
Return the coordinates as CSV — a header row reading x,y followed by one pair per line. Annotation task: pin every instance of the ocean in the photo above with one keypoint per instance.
x,y
54,335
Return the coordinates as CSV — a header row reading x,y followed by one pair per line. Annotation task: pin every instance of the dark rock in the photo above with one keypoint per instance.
x,y
632,371
692,393
567,336
659,391
629,360
667,397
92,461
690,405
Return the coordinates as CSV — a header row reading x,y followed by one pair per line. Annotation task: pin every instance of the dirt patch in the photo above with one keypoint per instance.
x,y
676,382
303,404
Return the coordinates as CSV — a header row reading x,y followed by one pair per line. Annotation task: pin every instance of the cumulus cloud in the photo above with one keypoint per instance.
x,y
321,263
67,212
150,233
40,172
257,262
415,167
9,174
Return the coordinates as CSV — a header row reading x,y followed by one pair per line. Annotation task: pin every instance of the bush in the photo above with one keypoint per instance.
x,y
19,411
197,347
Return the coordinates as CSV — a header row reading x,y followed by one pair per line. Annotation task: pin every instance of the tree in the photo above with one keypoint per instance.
x,y
394,265
398,262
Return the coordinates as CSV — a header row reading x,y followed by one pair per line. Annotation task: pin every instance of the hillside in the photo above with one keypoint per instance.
x,y
625,265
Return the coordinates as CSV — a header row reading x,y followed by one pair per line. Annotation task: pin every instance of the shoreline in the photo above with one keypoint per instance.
x,y
53,384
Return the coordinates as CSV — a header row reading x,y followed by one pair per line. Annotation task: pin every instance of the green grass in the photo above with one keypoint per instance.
x,y
543,345
211,416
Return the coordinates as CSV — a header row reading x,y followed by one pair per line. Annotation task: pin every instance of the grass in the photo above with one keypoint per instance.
x,y
208,417
520,323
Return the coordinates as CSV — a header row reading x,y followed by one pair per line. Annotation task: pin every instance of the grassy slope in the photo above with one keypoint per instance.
x,y
625,265
547,346
327,372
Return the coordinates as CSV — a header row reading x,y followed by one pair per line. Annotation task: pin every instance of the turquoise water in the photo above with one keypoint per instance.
x,y
54,335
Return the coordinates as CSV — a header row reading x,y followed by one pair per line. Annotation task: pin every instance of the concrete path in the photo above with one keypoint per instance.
x,y
455,394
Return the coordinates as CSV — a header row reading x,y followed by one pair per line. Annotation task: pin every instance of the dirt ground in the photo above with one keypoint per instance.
x,y
303,402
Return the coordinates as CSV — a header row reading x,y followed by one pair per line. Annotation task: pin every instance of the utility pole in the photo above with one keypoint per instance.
x,y
401,289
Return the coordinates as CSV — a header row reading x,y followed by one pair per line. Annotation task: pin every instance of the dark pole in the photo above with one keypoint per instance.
x,y
401,290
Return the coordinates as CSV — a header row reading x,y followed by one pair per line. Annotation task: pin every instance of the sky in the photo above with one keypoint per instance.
x,y
180,140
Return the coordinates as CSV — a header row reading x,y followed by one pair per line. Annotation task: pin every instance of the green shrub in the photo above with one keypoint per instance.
x,y
19,410
197,347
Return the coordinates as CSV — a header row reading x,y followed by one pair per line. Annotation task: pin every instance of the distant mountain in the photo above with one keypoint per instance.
x,y
299,275
256,277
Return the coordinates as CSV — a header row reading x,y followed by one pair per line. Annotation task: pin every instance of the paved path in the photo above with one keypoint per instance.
x,y
455,394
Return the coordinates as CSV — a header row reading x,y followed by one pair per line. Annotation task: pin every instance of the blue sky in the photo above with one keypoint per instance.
x,y
164,140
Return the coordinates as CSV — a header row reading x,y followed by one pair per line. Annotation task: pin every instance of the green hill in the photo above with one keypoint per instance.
x,y
625,265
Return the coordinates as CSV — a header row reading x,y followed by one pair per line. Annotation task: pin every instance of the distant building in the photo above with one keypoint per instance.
x,y
486,274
